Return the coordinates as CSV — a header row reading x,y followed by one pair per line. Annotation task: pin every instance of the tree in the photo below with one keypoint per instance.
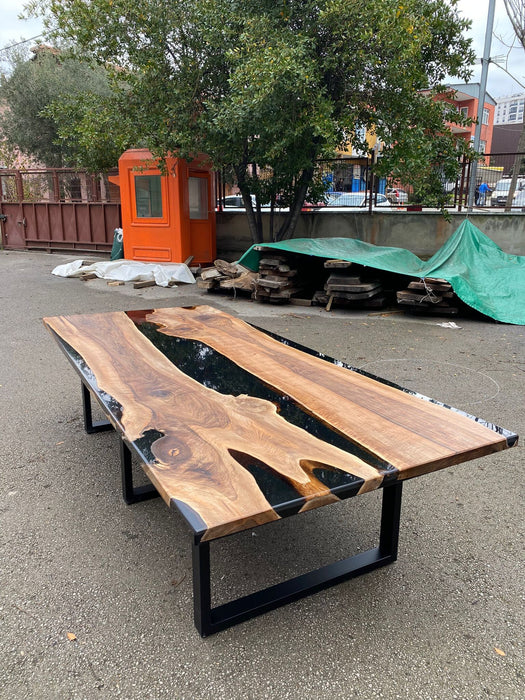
x,y
29,91
516,12
268,87
88,130
11,158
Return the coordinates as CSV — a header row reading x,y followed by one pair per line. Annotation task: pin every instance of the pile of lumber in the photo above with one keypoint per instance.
x,y
277,282
224,275
347,286
429,296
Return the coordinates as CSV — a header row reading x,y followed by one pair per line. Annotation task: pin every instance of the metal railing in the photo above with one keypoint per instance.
x,y
56,185
349,176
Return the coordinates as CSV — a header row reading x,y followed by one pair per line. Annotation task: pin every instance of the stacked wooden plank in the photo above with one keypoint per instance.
x,y
224,275
278,281
429,296
347,286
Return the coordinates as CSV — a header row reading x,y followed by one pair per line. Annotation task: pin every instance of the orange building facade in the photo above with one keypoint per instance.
x,y
465,98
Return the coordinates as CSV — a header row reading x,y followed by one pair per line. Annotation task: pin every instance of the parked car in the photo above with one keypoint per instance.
x,y
500,192
357,199
234,200
312,206
330,196
396,195
518,203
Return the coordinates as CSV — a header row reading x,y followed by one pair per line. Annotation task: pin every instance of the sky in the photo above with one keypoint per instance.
x,y
11,28
499,83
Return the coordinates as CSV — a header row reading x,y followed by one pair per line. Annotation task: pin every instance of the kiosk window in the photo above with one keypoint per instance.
x,y
148,196
198,190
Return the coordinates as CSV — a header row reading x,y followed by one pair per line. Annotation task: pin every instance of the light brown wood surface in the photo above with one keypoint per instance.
x,y
414,435
201,429
208,438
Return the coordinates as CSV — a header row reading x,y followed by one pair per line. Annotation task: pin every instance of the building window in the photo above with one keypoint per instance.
x,y
464,112
485,119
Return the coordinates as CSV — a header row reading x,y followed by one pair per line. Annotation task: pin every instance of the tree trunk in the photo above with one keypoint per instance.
x,y
254,217
289,225
254,220
272,217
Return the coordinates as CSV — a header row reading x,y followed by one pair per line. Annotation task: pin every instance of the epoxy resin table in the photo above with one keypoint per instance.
x,y
236,428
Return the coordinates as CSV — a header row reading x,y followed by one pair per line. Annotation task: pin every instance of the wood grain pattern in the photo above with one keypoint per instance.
x,y
194,463
414,435
232,462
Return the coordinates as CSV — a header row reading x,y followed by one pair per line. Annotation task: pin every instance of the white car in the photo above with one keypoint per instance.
x,y
357,199
234,200
518,202
500,193
397,195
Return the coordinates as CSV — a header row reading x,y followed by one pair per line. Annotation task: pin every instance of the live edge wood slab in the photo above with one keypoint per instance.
x,y
237,428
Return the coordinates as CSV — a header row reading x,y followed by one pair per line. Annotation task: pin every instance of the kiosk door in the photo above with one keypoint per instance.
x,y
202,216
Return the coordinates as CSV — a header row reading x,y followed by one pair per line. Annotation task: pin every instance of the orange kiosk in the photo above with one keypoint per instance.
x,y
167,217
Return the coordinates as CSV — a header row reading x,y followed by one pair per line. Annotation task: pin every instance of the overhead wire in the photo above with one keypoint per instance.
x,y
19,43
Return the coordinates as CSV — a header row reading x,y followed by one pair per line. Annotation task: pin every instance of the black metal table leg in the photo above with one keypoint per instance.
x,y
133,494
201,588
390,518
91,426
209,620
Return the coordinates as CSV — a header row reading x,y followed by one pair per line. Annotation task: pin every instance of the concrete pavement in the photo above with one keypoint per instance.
x,y
445,621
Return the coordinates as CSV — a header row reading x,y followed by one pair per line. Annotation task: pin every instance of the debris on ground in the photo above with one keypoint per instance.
x,y
449,324
225,275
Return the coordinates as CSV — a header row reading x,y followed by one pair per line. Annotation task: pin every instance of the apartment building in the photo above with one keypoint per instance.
x,y
509,109
465,98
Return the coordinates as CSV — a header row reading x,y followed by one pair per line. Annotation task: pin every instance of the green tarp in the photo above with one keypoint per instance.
x,y
481,274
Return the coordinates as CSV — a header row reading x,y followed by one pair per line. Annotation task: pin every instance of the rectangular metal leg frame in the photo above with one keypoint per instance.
x,y
131,494
209,620
91,426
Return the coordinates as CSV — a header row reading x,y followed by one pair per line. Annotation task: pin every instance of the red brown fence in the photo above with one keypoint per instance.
x,y
58,209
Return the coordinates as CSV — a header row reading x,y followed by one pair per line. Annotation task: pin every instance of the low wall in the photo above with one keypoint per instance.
x,y
423,233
